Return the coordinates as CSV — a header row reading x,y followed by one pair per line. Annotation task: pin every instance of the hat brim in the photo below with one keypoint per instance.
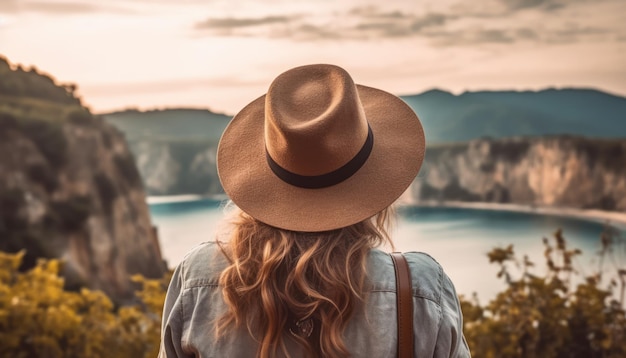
x,y
395,160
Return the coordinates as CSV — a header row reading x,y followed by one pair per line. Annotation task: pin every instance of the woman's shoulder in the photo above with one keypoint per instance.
x,y
427,275
203,265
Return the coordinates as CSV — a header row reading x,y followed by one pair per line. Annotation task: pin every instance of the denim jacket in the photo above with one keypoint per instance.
x,y
194,301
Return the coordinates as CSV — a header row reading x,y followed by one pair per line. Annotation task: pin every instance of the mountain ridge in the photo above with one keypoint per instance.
x,y
501,114
446,117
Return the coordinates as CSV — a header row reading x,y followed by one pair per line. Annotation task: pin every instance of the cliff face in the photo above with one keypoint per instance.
x,y
175,148
170,168
543,171
549,171
69,189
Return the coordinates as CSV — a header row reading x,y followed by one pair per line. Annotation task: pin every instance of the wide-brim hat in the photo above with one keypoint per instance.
x,y
318,153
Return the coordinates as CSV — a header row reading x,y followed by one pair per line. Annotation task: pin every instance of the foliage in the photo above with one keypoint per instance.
x,y
602,153
33,108
38,318
80,116
555,315
33,84
500,114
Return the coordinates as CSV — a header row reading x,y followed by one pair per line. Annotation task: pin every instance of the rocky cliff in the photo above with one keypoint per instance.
x,y
558,171
175,148
171,168
548,171
69,188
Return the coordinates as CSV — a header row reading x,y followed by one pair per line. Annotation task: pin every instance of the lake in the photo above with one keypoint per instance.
x,y
457,238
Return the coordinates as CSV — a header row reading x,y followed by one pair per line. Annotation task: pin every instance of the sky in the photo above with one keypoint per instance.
x,y
222,54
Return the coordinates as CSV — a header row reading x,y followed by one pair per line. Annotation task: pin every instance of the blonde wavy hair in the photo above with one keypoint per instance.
x,y
276,277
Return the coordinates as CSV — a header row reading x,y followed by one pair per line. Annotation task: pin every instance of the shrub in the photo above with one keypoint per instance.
x,y
32,83
547,316
534,316
38,318
80,116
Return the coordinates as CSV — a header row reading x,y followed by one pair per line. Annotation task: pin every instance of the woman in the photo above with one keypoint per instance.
x,y
313,167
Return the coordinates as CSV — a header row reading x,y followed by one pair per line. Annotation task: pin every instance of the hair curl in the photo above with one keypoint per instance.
x,y
277,277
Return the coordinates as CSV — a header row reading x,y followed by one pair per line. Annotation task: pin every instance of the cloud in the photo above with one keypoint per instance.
x,y
357,23
493,36
57,7
527,4
573,34
308,32
234,23
398,25
60,7
508,8
473,37
374,12
8,6
478,35
458,26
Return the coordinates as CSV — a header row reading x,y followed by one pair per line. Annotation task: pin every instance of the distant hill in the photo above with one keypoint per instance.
x,y
446,117
175,148
496,114
170,125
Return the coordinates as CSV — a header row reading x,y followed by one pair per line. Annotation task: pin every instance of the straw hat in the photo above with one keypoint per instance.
x,y
318,152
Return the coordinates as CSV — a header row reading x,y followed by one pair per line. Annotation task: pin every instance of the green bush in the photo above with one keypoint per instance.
x,y
80,116
534,316
38,318
34,84
552,315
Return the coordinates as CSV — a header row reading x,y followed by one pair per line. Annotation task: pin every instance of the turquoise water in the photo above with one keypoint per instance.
x,y
458,238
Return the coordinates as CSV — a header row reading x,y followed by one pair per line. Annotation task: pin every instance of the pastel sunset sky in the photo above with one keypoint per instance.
x,y
221,54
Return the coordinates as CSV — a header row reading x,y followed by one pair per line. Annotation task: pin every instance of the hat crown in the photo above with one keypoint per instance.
x,y
314,120
317,152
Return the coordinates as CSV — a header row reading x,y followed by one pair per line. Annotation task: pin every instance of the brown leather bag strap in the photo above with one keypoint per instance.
x,y
404,296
